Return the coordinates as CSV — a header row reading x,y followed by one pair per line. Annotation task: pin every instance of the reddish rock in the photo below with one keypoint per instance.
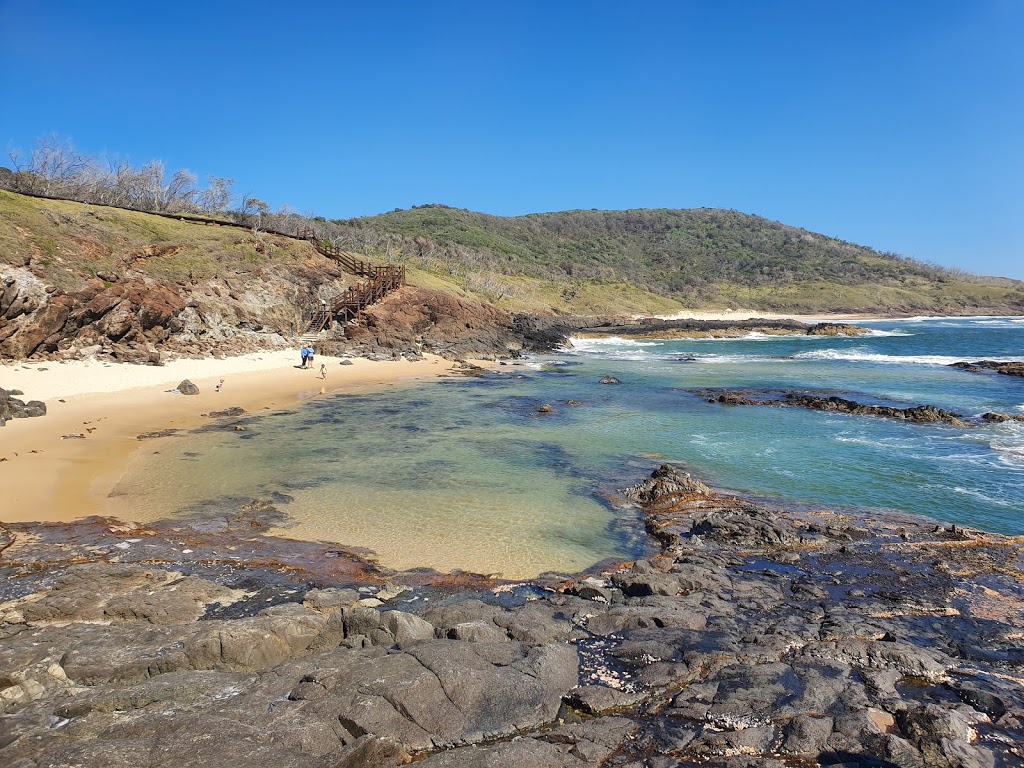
x,y
411,319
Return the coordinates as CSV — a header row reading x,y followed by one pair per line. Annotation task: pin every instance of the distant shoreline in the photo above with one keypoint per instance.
x,y
753,314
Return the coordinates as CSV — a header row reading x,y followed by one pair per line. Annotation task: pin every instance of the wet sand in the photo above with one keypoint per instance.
x,y
49,477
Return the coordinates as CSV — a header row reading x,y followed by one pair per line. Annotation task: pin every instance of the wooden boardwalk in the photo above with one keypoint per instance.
x,y
379,280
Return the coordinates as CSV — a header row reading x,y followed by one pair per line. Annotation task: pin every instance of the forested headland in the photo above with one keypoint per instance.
x,y
582,261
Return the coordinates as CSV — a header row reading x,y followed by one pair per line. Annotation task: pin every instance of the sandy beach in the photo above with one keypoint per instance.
x,y
48,473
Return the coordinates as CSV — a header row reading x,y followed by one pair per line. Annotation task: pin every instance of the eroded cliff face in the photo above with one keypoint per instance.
x,y
414,320
138,317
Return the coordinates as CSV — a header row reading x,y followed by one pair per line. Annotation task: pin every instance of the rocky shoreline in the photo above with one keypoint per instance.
x,y
754,637
1014,368
147,322
919,414
655,328
12,407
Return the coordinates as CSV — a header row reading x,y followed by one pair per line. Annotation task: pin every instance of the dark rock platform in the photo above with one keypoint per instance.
x,y
1015,368
831,403
755,637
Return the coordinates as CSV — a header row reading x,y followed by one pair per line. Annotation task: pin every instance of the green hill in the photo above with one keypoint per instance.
x,y
583,262
578,260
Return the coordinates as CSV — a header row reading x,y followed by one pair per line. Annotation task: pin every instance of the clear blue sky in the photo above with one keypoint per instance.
x,y
898,125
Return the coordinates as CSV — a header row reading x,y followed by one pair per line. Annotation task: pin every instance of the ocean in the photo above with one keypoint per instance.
x,y
467,474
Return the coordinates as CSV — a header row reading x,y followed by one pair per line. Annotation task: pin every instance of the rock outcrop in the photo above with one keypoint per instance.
x,y
921,414
134,314
12,407
411,321
139,316
755,636
1015,368
836,329
656,328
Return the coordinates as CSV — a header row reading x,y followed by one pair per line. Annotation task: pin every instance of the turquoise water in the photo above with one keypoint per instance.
x,y
467,474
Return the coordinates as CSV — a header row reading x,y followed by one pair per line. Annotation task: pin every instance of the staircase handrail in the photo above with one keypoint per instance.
x,y
380,280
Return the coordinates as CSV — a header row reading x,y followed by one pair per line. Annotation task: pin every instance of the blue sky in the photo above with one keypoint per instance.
x,y
898,125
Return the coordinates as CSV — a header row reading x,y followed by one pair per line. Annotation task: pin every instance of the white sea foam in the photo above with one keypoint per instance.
x,y
898,444
758,336
976,494
877,333
718,359
1009,443
584,344
1005,322
938,318
1009,451
862,356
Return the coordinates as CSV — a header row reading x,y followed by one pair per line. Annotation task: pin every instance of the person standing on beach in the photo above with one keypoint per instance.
x,y
323,370
305,356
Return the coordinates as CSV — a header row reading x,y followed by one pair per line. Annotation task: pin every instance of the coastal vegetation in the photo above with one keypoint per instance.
x,y
699,257
654,261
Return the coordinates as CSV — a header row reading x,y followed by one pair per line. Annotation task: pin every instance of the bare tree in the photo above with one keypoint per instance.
x,y
57,164
216,198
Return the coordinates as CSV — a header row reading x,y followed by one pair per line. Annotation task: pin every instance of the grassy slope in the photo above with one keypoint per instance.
x,y
589,262
69,242
663,259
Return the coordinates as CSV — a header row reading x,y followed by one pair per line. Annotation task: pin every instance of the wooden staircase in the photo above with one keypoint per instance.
x,y
380,281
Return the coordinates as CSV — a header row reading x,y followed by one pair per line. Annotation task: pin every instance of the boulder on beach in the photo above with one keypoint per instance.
x,y
13,408
188,388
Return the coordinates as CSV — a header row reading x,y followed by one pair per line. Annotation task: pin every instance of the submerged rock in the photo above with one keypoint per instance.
x,y
234,410
1001,417
922,414
1014,368
609,380
836,329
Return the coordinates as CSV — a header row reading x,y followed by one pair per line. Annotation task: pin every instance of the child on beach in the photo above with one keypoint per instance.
x,y
220,384
323,370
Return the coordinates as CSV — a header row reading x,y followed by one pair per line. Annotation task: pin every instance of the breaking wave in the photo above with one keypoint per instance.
x,y
863,356
587,343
